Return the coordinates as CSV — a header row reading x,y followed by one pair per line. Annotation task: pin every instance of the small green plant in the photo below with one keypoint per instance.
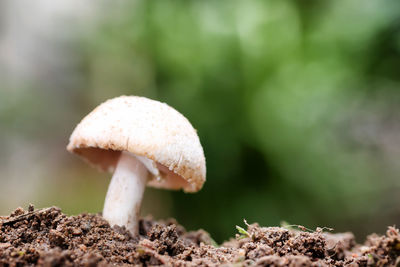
x,y
242,233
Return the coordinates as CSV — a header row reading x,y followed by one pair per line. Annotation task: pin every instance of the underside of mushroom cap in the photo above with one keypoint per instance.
x,y
145,128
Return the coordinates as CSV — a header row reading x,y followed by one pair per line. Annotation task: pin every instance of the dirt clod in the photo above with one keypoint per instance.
x,y
47,237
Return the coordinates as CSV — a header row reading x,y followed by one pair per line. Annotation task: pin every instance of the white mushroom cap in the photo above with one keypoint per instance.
x,y
148,129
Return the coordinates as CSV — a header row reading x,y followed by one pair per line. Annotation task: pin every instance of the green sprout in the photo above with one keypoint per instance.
x,y
242,233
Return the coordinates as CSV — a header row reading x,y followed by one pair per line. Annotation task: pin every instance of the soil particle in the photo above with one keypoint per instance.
x,y
47,237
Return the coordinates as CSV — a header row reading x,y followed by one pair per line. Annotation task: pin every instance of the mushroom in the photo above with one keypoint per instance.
x,y
142,141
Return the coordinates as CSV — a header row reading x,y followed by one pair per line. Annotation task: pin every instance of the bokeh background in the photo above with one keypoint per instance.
x,y
297,105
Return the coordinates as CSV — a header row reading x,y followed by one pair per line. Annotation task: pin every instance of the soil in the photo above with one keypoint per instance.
x,y
47,237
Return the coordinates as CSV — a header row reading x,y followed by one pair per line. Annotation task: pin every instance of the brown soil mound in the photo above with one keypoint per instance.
x,y
46,237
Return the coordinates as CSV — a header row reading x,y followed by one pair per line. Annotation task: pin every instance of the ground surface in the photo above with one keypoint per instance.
x,y
46,237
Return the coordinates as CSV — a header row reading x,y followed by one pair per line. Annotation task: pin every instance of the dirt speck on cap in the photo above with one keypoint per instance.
x,y
47,237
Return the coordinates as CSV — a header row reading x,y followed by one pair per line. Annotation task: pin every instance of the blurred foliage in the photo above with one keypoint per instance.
x,y
295,103
274,88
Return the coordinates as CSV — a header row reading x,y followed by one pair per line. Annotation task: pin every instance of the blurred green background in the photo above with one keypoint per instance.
x,y
296,104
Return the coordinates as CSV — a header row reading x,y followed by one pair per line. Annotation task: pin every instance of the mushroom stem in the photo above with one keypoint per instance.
x,y
125,193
